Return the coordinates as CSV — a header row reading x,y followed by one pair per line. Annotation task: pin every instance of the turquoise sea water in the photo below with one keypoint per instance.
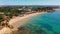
x,y
48,23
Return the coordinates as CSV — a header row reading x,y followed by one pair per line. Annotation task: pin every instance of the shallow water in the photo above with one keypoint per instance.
x,y
48,23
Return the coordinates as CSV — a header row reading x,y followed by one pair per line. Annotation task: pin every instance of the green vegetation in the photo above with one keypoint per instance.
x,y
1,17
14,10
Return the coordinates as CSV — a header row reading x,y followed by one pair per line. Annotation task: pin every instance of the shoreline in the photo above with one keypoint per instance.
x,y
18,21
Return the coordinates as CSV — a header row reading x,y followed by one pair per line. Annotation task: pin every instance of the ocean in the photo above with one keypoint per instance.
x,y
48,23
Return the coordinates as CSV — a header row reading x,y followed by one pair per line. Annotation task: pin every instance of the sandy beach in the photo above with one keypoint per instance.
x,y
18,21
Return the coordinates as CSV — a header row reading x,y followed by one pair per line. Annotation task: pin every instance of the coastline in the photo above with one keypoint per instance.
x,y
18,21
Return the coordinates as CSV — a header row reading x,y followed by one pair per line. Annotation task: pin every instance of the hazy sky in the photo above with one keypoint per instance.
x,y
29,2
